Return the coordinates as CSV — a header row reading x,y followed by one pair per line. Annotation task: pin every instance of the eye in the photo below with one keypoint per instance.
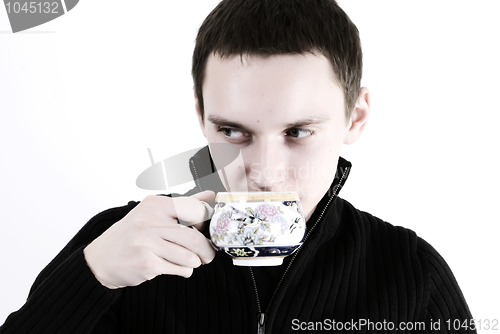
x,y
299,133
230,132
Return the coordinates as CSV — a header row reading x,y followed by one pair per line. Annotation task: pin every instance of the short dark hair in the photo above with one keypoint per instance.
x,y
273,27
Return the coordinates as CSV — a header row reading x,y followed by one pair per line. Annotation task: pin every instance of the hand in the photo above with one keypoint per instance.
x,y
149,242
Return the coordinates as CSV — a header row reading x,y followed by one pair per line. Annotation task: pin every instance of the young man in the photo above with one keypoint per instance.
x,y
280,80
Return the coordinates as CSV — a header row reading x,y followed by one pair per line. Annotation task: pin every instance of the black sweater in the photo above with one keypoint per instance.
x,y
355,269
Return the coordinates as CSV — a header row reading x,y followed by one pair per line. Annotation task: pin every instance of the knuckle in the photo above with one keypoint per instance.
x,y
149,200
147,264
140,242
154,200
142,219
197,243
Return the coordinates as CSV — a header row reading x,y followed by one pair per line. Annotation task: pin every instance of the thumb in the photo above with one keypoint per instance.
x,y
206,196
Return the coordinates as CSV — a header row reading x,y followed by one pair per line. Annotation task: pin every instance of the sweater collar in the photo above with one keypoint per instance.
x,y
206,178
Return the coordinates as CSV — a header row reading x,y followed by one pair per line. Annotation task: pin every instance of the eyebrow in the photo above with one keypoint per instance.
x,y
307,121
221,121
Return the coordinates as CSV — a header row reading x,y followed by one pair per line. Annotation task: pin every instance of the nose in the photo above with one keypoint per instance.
x,y
267,168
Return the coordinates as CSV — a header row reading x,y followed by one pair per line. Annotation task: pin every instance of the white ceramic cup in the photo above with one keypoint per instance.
x,y
257,228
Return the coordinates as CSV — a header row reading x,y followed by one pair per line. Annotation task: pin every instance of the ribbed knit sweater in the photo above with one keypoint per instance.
x,y
352,269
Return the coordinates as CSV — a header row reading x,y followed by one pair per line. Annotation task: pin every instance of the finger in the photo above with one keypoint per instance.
x,y
165,267
156,208
175,253
190,239
188,209
206,196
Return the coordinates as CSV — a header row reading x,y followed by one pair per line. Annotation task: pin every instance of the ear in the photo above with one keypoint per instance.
x,y
359,117
198,113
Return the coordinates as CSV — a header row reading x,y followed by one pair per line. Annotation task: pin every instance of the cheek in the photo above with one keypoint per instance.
x,y
312,169
316,171
321,154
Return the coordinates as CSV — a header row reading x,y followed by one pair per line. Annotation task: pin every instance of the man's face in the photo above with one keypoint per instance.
x,y
286,114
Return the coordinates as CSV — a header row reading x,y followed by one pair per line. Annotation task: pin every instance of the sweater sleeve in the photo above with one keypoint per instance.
x,y
446,307
66,297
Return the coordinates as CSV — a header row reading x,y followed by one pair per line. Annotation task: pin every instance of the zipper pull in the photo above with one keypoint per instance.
x,y
261,327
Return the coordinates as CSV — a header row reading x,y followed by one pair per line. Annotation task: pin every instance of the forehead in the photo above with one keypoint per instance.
x,y
288,66
290,84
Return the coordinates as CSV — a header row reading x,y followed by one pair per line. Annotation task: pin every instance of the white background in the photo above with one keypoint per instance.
x,y
84,96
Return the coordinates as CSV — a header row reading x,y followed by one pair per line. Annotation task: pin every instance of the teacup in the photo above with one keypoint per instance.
x,y
257,228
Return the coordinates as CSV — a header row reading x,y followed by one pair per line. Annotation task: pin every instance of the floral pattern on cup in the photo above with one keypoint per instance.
x,y
253,227
267,210
220,232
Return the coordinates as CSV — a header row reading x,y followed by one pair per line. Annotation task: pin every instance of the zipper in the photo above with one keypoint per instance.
x,y
261,318
262,328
